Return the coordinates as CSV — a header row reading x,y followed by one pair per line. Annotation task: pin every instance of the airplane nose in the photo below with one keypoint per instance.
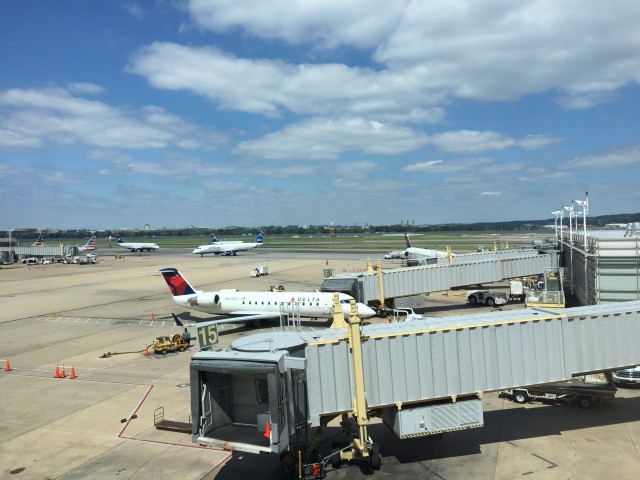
x,y
364,311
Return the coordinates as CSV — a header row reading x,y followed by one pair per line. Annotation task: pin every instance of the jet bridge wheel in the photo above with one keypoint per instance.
x,y
376,458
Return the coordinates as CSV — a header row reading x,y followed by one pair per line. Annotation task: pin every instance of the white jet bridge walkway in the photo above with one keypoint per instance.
x,y
423,376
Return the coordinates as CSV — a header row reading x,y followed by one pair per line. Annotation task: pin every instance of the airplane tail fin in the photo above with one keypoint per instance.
x,y
91,242
213,238
119,238
176,282
40,240
177,320
260,237
406,240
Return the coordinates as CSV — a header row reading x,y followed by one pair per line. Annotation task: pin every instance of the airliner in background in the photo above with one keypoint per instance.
x,y
246,306
89,246
39,241
415,252
136,246
228,248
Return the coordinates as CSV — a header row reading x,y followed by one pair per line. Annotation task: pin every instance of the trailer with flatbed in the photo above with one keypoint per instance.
x,y
573,392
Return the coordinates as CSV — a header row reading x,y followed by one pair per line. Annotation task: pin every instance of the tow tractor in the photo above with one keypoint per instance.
x,y
165,344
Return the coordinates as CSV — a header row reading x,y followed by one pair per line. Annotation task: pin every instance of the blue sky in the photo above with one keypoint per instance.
x,y
212,113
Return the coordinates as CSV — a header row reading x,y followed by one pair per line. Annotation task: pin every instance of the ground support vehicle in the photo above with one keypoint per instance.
x,y
165,344
484,297
576,392
627,376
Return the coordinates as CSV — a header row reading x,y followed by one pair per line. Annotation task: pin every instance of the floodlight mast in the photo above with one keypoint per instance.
x,y
570,210
557,213
585,209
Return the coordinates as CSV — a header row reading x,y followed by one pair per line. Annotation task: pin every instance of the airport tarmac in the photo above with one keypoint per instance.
x,y
101,424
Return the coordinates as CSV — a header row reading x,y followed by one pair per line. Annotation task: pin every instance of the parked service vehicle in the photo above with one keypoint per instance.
x,y
575,392
484,297
165,344
30,261
627,376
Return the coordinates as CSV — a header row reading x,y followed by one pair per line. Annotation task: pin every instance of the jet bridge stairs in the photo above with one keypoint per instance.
x,y
422,377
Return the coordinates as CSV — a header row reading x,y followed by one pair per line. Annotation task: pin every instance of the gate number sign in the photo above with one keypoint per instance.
x,y
207,336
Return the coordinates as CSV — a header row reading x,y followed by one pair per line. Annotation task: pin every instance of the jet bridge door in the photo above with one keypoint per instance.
x,y
250,399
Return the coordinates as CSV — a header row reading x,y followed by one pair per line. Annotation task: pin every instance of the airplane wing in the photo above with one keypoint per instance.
x,y
238,318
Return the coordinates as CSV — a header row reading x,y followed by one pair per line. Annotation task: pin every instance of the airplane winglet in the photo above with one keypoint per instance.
x,y
177,320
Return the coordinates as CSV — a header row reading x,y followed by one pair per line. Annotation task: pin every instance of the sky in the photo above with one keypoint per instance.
x,y
178,113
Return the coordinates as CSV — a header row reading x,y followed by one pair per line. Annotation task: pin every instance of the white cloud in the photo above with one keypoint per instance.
x,y
472,141
615,158
37,116
494,50
326,139
479,165
490,194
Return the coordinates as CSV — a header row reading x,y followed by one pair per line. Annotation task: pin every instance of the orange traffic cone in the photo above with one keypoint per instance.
x,y
57,375
62,374
267,430
146,351
73,373
7,367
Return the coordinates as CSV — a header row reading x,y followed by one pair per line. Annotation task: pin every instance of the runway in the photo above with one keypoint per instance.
x,y
101,424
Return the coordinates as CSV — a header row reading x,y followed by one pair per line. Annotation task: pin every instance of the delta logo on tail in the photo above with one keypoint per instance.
x,y
176,282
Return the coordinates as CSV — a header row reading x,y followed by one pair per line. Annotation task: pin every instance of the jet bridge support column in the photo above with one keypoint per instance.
x,y
362,448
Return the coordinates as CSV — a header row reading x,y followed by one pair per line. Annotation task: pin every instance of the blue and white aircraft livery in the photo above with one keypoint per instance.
x,y
245,306
137,246
228,248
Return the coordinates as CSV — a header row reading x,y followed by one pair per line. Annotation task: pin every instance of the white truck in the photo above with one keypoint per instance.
x,y
485,297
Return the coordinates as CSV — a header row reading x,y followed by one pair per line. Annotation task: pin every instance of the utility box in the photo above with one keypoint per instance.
x,y
412,301
434,418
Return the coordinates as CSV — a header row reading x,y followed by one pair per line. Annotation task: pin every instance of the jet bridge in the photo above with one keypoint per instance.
x,y
269,391
379,288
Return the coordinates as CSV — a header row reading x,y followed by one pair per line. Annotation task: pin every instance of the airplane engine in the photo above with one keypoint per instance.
x,y
204,300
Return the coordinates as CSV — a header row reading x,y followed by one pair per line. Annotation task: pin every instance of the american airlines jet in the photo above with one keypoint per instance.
x,y
228,248
137,247
89,246
247,306
40,241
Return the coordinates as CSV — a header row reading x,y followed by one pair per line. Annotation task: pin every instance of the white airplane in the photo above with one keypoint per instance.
x,y
89,246
137,247
243,306
215,240
230,248
415,252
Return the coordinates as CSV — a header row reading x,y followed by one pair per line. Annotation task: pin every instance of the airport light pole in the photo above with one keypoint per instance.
x,y
585,209
570,210
557,213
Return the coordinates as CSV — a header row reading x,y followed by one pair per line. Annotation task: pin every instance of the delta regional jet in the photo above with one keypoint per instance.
x,y
415,252
137,247
245,306
228,248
